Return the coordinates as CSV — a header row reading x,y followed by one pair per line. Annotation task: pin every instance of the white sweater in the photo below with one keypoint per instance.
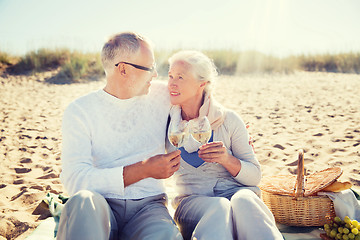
x,y
102,134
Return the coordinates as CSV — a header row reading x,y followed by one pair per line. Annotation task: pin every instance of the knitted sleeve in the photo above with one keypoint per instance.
x,y
78,171
250,173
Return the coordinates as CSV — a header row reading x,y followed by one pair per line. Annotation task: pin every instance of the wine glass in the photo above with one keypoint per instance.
x,y
201,129
177,133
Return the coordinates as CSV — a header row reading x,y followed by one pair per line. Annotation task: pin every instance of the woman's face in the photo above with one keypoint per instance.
x,y
183,87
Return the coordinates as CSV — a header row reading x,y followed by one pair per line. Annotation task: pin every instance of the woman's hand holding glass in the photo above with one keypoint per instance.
x,y
214,152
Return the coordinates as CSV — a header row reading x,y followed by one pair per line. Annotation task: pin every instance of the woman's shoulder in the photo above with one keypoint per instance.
x,y
231,116
232,121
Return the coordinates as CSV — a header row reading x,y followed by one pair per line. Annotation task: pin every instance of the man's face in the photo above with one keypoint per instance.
x,y
141,79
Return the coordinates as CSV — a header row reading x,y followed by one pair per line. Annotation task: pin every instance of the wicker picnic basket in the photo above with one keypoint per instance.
x,y
293,200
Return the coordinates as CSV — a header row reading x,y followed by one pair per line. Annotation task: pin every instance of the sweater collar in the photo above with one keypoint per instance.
x,y
108,97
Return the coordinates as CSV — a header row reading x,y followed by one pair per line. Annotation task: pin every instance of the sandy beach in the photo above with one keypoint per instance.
x,y
318,112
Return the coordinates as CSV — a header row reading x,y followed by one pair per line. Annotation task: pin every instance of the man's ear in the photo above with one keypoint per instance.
x,y
121,69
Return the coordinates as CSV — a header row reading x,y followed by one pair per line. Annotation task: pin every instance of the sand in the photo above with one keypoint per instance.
x,y
318,112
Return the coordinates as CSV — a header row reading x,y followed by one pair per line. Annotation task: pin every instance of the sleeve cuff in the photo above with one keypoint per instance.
x,y
115,182
249,174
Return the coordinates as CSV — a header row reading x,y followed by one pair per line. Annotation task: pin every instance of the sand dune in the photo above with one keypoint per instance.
x,y
319,112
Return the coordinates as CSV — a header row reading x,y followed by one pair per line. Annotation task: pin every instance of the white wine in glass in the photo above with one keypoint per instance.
x,y
201,129
176,133
176,138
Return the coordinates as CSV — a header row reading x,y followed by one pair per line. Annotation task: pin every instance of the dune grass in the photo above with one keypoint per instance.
x,y
230,62
81,66
6,59
342,63
75,66
41,60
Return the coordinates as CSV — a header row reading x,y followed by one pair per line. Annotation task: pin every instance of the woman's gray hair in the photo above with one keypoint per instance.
x,y
203,67
120,47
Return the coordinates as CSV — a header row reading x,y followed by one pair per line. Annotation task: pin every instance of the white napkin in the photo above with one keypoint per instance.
x,y
345,204
191,144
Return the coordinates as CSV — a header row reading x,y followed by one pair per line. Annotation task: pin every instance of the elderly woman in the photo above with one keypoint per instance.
x,y
218,199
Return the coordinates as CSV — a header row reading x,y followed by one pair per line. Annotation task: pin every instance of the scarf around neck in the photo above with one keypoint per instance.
x,y
210,108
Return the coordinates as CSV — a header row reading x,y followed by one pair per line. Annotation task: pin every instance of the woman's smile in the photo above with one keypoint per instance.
x,y
174,93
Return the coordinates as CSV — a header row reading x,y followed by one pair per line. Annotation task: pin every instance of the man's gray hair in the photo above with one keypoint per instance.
x,y
120,47
203,67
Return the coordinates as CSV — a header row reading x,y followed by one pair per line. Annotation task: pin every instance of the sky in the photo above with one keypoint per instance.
x,y
276,27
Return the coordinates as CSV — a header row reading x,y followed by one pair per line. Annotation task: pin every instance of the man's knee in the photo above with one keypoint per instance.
x,y
86,216
159,230
85,200
169,231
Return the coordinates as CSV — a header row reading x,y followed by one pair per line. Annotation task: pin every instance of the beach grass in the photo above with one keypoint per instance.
x,y
74,66
338,63
7,59
80,66
40,60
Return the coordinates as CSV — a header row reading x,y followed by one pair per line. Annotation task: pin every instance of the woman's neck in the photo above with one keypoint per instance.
x,y
191,110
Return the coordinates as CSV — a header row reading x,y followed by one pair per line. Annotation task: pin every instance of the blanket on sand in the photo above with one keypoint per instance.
x,y
47,230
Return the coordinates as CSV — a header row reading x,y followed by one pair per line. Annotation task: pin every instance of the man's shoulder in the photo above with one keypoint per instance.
x,y
83,101
159,89
158,85
85,98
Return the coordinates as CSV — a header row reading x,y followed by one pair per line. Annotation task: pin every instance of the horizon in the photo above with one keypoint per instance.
x,y
278,28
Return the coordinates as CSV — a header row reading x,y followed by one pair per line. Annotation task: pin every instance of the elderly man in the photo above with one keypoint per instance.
x,y
113,159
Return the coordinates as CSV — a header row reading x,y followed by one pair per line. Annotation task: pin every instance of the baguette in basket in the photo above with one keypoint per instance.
x,y
337,186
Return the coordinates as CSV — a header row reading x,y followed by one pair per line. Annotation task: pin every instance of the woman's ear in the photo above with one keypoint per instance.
x,y
203,84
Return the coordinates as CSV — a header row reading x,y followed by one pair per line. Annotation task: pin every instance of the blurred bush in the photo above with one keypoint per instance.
x,y
230,62
5,58
76,66
73,66
340,63
79,67
40,60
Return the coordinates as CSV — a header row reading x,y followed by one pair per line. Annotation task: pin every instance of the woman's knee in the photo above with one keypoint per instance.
x,y
219,208
244,198
221,203
194,209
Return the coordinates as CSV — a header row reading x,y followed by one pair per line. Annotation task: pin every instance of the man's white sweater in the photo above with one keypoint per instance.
x,y
102,134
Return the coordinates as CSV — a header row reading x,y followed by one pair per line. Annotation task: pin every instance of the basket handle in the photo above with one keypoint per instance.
x,y
300,181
